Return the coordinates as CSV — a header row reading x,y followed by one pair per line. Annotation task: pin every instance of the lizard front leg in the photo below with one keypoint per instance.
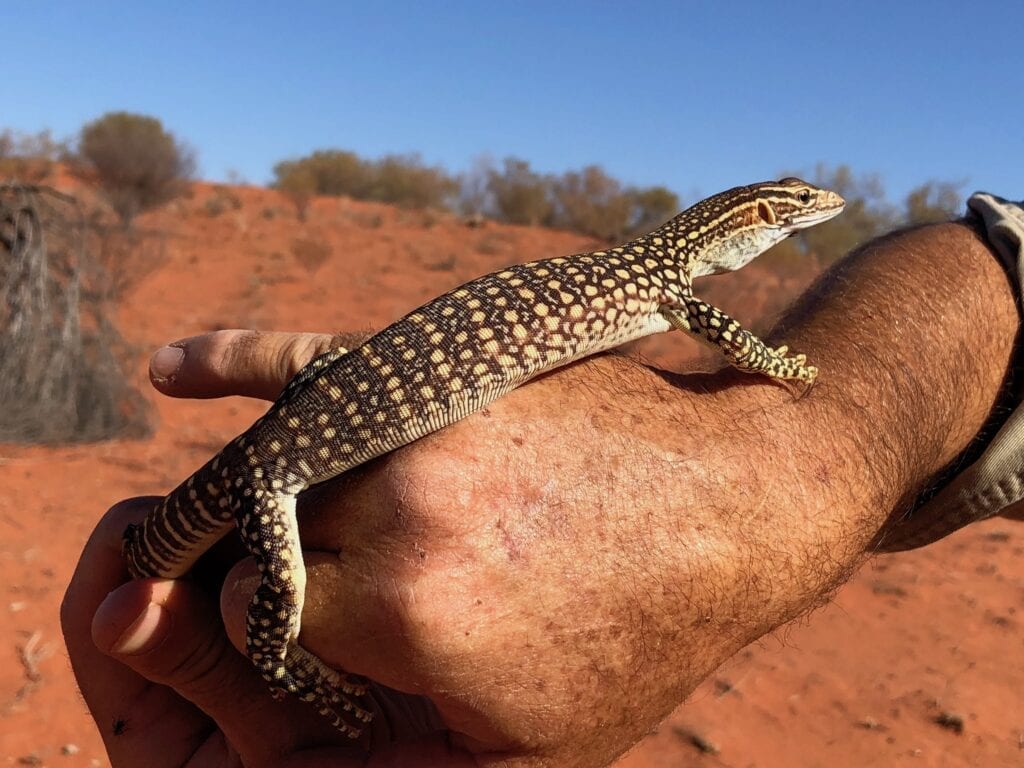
x,y
740,346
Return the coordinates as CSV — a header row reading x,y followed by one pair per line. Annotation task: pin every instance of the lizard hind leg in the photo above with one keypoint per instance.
x,y
270,531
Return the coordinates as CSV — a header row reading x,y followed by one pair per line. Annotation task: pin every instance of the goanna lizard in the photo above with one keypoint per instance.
x,y
438,364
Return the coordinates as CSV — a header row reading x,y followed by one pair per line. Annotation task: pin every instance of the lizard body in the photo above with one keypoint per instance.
x,y
437,365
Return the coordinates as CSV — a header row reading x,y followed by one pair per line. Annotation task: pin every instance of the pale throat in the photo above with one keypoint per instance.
x,y
737,250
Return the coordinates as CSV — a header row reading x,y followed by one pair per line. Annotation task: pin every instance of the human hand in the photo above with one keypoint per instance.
x,y
544,600
153,662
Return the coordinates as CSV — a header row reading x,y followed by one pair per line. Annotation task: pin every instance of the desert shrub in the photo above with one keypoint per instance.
x,y
29,157
397,179
122,257
442,264
592,202
596,204
214,206
652,207
223,199
933,201
495,242
360,218
310,253
325,172
62,377
137,164
424,218
474,195
405,180
488,246
588,201
520,196
298,184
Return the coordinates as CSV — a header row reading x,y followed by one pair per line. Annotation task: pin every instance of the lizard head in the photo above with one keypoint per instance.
x,y
792,204
737,225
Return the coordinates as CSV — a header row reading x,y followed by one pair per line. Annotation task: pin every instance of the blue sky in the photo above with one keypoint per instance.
x,y
697,96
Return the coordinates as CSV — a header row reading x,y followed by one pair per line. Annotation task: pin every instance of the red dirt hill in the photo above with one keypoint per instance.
x,y
913,639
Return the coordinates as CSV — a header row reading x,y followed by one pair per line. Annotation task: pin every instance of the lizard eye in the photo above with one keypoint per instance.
x,y
804,196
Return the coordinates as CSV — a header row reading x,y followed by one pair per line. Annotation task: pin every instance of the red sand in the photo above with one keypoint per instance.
x,y
859,682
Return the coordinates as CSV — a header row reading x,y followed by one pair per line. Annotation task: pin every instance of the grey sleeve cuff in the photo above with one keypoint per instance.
x,y
996,479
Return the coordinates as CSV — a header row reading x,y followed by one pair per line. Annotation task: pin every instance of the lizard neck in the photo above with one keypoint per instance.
x,y
734,252
711,239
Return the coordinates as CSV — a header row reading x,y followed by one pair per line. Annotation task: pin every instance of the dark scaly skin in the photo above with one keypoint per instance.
x,y
437,365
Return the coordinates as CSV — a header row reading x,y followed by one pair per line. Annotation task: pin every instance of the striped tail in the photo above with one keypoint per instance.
x,y
189,520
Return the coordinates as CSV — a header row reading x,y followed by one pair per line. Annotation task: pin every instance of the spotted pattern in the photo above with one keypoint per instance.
x,y
435,366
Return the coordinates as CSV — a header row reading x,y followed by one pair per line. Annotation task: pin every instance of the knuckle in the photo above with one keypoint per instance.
x,y
239,350
203,668
227,354
298,350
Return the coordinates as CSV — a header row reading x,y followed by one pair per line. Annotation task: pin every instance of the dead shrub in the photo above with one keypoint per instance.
x,y
365,219
29,157
62,377
493,243
123,257
444,264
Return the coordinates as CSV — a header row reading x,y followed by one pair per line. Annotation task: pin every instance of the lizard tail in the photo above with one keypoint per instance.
x,y
184,525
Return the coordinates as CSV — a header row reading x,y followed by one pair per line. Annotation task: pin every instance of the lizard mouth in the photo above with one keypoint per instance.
x,y
810,220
